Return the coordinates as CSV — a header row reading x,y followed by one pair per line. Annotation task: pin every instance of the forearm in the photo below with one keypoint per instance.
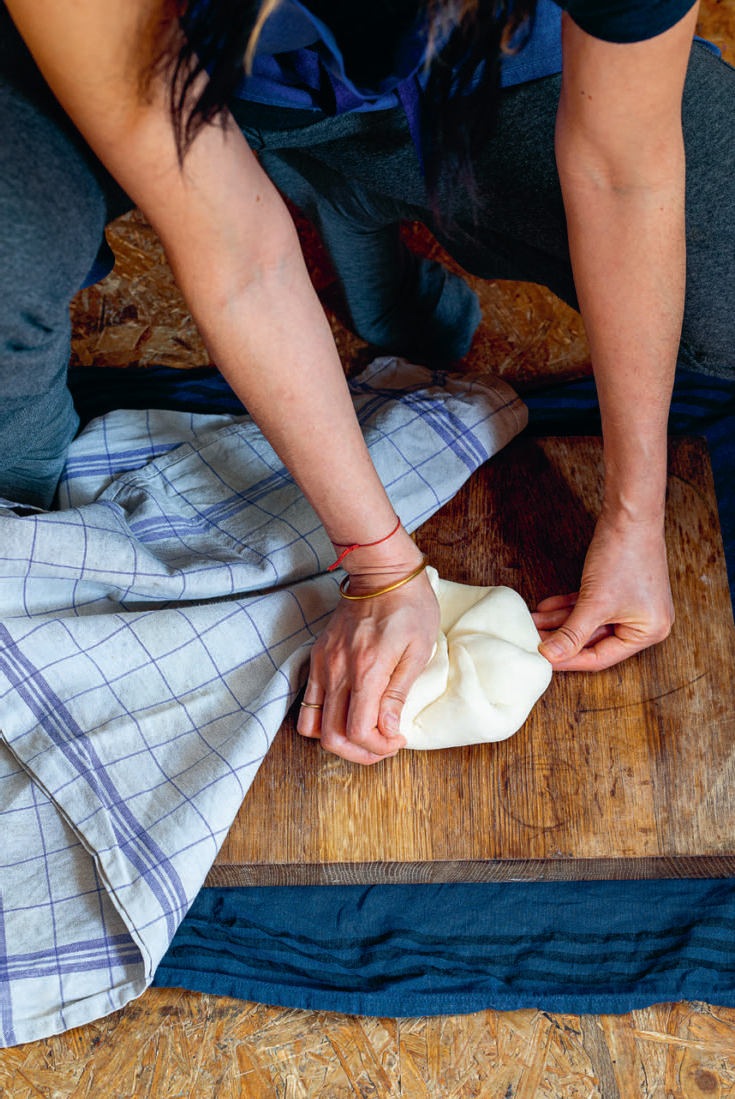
x,y
240,267
268,334
627,248
620,155
237,259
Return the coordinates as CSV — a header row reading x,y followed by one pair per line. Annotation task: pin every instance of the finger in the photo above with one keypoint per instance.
x,y
394,697
556,602
600,632
611,650
309,721
334,738
548,623
339,745
572,636
550,620
334,715
362,726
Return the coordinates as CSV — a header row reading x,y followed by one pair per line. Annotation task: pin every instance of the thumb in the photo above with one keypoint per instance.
x,y
571,637
391,704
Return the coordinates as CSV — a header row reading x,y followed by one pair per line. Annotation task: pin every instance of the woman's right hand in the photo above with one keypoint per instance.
x,y
364,664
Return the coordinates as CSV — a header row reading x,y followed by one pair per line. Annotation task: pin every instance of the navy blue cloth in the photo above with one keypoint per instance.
x,y
580,947
97,390
408,950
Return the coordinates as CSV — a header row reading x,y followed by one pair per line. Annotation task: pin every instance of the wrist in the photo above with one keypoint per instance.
x,y
633,503
635,485
370,587
626,516
371,566
390,552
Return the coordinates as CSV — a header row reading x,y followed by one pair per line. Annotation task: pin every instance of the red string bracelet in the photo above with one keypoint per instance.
x,y
360,545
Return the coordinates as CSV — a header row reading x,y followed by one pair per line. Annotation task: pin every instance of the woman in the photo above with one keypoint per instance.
x,y
235,255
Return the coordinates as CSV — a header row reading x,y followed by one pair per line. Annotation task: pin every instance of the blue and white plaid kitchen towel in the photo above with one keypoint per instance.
x,y
153,633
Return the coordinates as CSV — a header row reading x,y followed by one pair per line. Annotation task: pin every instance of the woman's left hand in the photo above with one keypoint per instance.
x,y
624,603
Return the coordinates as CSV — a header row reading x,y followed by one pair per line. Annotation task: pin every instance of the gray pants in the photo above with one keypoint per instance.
x,y
356,177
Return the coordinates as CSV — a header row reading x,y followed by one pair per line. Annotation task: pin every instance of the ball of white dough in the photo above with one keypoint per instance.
x,y
485,674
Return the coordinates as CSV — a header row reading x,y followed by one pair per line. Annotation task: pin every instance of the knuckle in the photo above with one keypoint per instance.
x,y
357,734
330,743
318,663
394,696
661,632
419,655
370,681
369,672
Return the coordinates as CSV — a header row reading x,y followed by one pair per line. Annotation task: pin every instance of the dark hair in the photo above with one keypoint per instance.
x,y
462,96
215,40
459,105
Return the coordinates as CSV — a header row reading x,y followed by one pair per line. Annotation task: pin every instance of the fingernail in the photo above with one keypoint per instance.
x,y
550,648
391,723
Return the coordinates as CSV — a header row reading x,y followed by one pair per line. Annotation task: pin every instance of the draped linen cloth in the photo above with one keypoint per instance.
x,y
154,631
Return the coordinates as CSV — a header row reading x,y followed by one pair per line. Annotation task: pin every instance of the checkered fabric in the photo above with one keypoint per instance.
x,y
153,633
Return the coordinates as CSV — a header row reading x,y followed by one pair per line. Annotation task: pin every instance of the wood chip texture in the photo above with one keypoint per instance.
x,y
137,317
171,1043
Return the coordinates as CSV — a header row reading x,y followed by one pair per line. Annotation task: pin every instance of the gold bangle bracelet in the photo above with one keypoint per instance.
x,y
383,591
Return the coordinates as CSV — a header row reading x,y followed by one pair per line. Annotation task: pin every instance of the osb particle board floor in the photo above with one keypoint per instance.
x,y
136,315
171,1043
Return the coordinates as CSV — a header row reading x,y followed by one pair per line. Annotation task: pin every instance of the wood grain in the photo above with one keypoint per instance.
x,y
628,773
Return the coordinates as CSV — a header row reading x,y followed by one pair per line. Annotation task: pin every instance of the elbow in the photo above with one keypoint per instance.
x,y
621,169
245,267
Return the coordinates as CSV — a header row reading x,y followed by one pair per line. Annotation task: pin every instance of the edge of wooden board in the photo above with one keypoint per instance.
x,y
502,870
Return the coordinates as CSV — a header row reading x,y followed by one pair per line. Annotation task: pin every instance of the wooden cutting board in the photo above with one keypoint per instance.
x,y
627,773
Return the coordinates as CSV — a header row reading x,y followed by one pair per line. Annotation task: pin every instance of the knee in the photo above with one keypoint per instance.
x,y
34,438
708,332
704,357
331,200
52,217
